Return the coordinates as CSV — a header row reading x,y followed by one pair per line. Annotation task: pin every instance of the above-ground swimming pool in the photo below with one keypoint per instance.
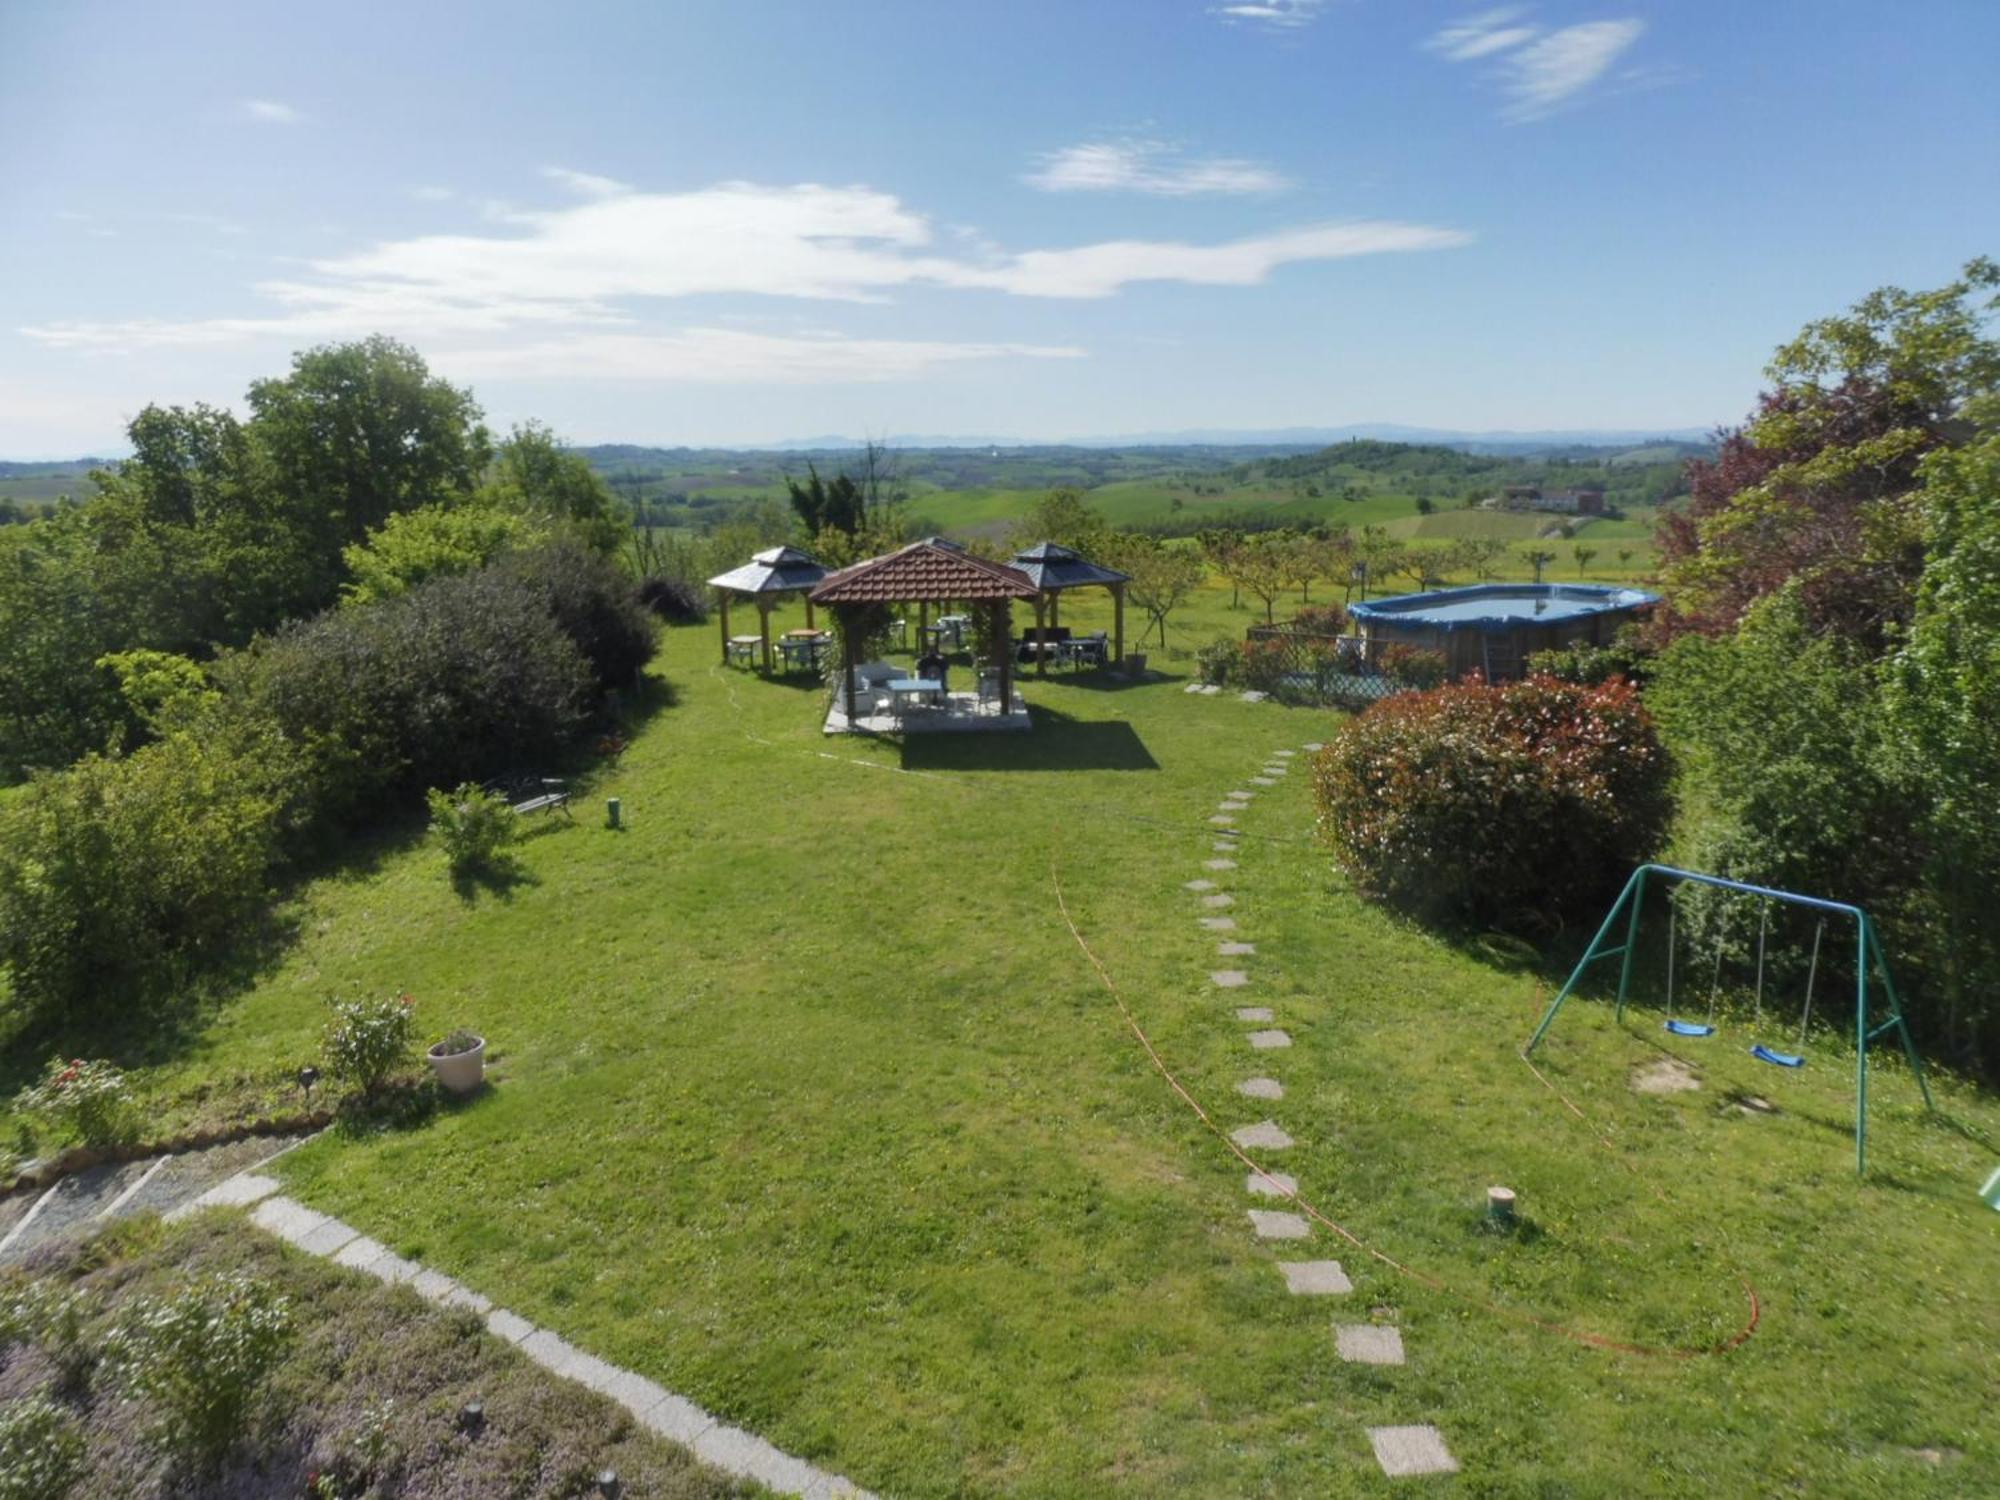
x,y
1494,627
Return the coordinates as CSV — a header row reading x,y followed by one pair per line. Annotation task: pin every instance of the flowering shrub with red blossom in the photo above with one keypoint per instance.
x,y
89,1096
1520,805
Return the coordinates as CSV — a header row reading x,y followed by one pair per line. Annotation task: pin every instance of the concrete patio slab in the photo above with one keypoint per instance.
x,y
1315,1278
1270,1224
1403,1451
1266,1134
1368,1343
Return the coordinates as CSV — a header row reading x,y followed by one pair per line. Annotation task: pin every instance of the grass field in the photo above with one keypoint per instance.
x,y
808,1105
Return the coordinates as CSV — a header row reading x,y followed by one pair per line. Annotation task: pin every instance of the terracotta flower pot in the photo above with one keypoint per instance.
x,y
460,1072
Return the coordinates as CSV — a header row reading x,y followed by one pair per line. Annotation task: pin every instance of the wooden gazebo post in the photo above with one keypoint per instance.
x,y
722,598
843,620
1118,624
1041,640
1002,628
764,623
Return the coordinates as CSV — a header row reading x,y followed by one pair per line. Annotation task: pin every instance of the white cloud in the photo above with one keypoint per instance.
x,y
1538,70
271,112
587,184
728,356
1149,167
1279,15
1557,67
1481,35
592,268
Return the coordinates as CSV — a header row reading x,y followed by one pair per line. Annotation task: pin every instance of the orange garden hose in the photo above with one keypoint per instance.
x,y
1548,1325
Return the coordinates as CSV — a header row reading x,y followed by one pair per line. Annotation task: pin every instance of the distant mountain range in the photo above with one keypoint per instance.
x,y
1503,441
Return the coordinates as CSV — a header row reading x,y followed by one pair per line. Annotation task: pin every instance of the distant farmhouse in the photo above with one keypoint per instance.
x,y
1583,502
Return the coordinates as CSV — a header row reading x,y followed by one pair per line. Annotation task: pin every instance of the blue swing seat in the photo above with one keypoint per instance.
x,y
1689,1028
1782,1059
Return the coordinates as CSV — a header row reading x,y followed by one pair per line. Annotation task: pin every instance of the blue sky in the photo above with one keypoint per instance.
x,y
743,222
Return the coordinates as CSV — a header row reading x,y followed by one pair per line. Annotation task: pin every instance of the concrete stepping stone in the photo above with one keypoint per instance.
x,y
1261,1088
1314,746
1315,1278
1223,820
1283,754
1235,950
1263,781
1265,1133
1224,846
1218,924
1210,689
1239,796
1271,1185
1228,979
1252,695
1368,1343
1192,687
1253,1012
1403,1451
1218,864
1270,1224
1264,1041
1217,902
1199,885
1274,772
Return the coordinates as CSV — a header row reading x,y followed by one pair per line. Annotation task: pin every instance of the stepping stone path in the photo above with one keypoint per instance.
x,y
1283,754
1314,746
1272,1225
1368,1343
1400,1451
1411,1450
1265,1133
1315,1278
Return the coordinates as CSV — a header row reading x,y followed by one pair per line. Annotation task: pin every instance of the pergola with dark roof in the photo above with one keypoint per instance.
x,y
932,571
768,577
1052,567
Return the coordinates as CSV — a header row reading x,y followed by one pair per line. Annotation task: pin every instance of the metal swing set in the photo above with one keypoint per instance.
x,y
1868,956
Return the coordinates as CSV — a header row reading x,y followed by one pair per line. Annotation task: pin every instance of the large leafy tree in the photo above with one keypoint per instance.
x,y
358,432
1820,487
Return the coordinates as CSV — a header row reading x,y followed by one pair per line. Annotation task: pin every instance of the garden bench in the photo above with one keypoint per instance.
x,y
536,794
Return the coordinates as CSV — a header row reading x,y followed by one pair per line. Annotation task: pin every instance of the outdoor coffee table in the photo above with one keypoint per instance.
x,y
903,689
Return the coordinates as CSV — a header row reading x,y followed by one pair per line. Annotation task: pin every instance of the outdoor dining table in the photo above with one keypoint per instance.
x,y
902,689
744,646
797,646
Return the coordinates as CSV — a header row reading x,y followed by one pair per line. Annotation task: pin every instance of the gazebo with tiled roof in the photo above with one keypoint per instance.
x,y
932,571
766,578
1052,567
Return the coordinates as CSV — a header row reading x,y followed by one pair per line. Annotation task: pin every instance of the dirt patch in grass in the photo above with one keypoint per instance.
x,y
1667,1076
364,1355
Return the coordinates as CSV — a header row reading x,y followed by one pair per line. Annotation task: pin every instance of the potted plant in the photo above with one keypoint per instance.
x,y
460,1061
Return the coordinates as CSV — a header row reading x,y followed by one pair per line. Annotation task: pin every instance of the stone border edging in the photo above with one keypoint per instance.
x,y
652,1406
71,1159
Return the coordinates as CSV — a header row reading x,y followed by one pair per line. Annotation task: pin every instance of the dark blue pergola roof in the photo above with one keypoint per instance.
x,y
1052,567
776,570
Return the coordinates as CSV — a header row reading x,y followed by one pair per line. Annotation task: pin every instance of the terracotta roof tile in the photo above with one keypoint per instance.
x,y
929,570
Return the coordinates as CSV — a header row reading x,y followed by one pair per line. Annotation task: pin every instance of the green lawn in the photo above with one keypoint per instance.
x,y
808,1106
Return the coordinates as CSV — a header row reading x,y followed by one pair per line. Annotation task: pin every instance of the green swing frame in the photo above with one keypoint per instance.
x,y
1868,954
